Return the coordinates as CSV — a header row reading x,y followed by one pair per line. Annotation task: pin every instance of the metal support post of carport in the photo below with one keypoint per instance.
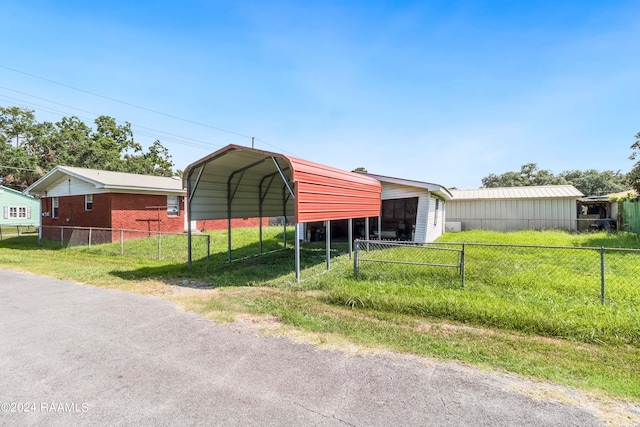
x,y
297,250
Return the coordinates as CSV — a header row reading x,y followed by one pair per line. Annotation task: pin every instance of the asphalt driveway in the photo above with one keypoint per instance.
x,y
72,354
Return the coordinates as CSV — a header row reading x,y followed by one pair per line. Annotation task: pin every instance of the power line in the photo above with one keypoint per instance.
x,y
202,144
139,107
19,169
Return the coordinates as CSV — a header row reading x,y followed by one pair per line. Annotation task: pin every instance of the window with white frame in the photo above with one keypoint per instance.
x,y
88,202
173,205
17,212
54,207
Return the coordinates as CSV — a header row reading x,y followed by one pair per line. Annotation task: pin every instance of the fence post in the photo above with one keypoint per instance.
x,y
602,275
356,254
159,239
90,229
18,227
462,265
61,236
0,232
208,246
121,242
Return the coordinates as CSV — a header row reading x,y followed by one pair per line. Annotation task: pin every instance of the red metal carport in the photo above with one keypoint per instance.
x,y
242,182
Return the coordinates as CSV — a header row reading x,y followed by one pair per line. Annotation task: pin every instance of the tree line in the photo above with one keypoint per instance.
x,y
29,149
589,182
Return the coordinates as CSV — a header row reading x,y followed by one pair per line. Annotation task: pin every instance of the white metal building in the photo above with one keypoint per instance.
x,y
515,208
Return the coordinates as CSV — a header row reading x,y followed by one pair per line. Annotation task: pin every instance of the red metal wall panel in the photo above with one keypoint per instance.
x,y
325,193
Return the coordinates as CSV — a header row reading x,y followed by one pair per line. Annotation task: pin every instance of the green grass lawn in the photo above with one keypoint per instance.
x,y
543,320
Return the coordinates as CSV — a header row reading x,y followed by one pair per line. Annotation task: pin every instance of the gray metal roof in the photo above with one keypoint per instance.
x,y
531,192
114,181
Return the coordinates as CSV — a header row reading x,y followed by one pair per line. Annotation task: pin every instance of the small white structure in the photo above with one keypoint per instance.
x,y
516,208
411,210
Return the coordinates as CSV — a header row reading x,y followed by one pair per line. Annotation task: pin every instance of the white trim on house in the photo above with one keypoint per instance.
x,y
72,181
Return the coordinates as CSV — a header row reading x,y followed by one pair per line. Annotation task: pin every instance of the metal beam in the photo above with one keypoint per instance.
x,y
190,193
284,178
297,250
327,234
350,237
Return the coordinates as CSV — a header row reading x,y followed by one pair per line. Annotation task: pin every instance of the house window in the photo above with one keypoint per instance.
x,y
435,216
17,212
173,205
54,207
88,202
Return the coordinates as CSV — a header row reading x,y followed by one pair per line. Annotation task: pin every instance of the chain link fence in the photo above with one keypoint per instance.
x,y
581,224
17,230
586,274
134,243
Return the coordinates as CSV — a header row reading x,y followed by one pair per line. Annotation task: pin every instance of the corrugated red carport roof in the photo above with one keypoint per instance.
x,y
234,176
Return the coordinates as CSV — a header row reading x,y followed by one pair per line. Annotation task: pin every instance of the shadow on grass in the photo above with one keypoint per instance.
x,y
28,242
619,239
253,270
248,267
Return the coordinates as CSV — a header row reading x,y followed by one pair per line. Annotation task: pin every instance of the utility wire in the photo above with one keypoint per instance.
x,y
134,105
19,169
201,144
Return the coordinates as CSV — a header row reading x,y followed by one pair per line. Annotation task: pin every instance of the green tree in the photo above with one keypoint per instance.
x,y
592,182
16,125
633,177
529,175
589,182
157,161
28,149
17,167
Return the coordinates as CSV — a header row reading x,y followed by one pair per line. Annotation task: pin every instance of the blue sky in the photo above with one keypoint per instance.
x,y
438,91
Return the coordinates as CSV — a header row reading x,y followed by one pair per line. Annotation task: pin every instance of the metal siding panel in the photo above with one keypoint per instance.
x,y
71,186
334,197
430,216
434,230
422,218
396,191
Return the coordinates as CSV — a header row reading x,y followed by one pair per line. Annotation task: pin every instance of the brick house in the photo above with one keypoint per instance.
x,y
79,197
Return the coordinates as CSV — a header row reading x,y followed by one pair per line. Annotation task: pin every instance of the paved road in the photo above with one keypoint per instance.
x,y
72,354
